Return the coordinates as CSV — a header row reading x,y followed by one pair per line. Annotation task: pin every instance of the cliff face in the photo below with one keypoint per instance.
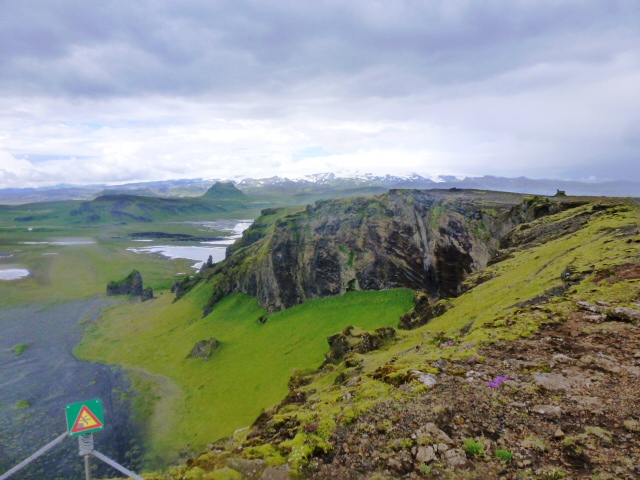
x,y
427,240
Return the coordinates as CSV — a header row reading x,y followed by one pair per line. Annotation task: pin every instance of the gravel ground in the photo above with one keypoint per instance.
x,y
36,385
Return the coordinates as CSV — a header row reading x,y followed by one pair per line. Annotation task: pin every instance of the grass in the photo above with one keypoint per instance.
x,y
71,272
60,273
504,455
473,448
246,374
22,404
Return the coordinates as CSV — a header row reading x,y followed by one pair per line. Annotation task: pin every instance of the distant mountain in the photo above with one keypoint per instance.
x,y
321,185
224,191
322,182
167,188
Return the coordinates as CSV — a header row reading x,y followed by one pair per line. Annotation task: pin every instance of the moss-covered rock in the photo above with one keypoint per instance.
x,y
130,285
204,349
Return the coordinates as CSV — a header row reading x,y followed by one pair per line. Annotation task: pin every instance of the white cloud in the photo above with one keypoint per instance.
x,y
15,173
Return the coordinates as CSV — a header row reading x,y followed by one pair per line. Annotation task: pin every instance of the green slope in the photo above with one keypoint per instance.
x,y
122,209
248,373
511,300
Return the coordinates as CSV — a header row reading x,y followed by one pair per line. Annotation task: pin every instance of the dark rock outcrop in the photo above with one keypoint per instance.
x,y
130,285
422,312
147,294
352,339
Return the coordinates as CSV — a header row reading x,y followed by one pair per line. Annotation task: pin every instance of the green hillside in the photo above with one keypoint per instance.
x,y
123,209
249,371
543,286
556,305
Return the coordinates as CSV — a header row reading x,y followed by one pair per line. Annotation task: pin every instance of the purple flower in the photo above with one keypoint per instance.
x,y
450,343
473,360
496,382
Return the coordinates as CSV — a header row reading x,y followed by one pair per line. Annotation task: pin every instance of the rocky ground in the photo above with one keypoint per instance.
x,y
563,403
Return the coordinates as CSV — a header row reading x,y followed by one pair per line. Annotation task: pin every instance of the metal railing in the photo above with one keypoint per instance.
x,y
30,459
85,449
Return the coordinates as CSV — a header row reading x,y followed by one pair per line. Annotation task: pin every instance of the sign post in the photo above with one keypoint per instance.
x,y
84,418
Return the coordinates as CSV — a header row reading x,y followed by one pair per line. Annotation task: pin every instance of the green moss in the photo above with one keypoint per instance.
x,y
301,447
223,474
267,452
400,444
553,473
534,443
632,425
22,404
19,349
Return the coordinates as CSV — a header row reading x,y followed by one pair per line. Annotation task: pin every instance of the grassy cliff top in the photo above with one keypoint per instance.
x,y
533,372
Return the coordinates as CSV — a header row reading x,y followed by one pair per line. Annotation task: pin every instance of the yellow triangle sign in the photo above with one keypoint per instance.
x,y
86,421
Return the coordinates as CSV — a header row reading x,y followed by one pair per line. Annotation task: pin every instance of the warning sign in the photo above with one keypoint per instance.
x,y
86,421
85,417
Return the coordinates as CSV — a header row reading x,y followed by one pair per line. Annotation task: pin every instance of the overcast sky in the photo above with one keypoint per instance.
x,y
117,91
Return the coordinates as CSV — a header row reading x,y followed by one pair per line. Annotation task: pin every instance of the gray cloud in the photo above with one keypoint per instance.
x,y
191,47
517,87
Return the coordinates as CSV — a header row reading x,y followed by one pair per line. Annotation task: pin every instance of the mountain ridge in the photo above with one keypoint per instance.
x,y
325,185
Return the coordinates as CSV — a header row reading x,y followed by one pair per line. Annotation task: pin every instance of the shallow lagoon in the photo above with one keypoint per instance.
x,y
13,273
216,249
201,254
64,241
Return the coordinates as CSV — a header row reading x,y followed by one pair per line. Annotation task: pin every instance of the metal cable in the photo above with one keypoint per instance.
x,y
116,465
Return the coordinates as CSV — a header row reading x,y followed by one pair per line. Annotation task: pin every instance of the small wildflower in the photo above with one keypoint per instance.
x,y
496,382
473,360
312,428
450,343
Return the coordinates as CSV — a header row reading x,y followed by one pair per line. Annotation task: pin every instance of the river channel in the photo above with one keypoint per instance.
x,y
39,375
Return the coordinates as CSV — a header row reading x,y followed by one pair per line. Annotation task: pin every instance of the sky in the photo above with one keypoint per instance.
x,y
122,91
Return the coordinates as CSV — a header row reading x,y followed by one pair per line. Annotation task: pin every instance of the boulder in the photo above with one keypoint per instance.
x,y
624,314
423,312
147,294
352,339
130,285
425,454
204,349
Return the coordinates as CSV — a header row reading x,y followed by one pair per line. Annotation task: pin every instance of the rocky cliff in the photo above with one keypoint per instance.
x,y
426,240
533,371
